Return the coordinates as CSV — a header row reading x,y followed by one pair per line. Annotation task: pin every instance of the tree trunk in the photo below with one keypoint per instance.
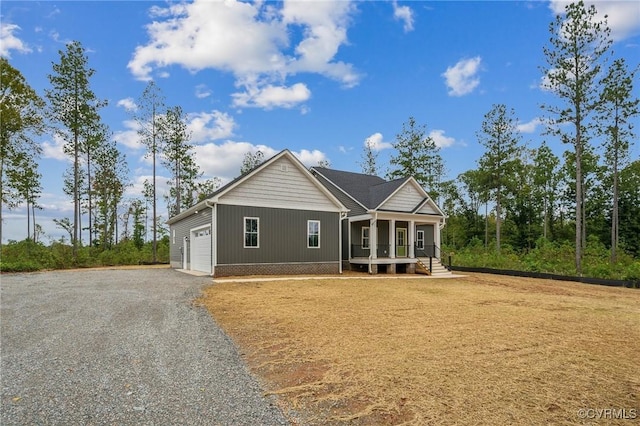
x,y
486,224
33,217
578,201
155,215
498,212
614,213
1,197
28,219
89,195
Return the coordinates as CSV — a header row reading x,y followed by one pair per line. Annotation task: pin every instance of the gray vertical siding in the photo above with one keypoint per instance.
x,y
428,241
182,230
283,236
345,239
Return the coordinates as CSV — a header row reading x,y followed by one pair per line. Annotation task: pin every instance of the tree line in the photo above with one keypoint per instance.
x,y
516,196
97,177
532,193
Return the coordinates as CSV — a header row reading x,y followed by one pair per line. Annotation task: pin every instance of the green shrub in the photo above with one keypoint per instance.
x,y
19,266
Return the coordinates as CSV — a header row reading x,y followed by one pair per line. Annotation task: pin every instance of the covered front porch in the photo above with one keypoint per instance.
x,y
392,242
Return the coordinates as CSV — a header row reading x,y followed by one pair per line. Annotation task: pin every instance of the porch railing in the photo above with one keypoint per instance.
x,y
382,250
429,250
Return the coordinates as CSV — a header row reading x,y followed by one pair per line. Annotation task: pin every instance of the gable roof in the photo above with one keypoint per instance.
x,y
372,192
214,197
369,191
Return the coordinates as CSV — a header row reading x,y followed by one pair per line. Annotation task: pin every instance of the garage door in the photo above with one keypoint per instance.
x,y
201,250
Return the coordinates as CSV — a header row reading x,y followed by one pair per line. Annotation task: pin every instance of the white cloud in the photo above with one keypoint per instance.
x,y
623,17
376,142
325,30
310,158
440,139
269,97
128,104
224,160
202,91
55,149
252,41
462,78
207,127
203,126
129,137
530,126
8,41
404,14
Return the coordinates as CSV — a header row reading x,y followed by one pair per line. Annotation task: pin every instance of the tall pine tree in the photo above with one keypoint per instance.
x,y
500,138
74,107
615,110
417,156
577,47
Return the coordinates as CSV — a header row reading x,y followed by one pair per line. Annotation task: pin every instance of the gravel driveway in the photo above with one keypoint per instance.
x,y
120,347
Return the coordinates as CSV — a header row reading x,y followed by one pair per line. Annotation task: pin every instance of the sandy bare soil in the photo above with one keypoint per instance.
x,y
477,350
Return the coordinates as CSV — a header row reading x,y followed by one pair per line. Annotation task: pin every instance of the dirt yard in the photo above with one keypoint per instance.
x,y
477,350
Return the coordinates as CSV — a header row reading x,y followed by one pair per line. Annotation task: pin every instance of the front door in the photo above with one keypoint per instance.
x,y
401,242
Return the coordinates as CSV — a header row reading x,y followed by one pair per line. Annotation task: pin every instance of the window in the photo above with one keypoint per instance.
x,y
313,234
365,237
251,232
174,235
420,240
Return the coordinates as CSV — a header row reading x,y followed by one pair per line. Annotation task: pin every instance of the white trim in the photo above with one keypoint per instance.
x,y
185,251
392,238
420,240
411,236
404,246
191,232
421,190
368,247
301,206
244,232
309,234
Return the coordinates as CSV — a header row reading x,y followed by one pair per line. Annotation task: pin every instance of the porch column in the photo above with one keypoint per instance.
x,y
349,239
373,238
412,239
392,238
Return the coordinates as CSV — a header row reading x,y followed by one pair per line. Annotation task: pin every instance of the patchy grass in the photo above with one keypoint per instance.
x,y
477,350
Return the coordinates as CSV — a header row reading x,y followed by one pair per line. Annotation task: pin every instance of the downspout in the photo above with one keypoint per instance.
x,y
214,235
342,216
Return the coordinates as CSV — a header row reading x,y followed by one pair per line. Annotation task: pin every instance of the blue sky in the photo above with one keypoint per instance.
x,y
319,78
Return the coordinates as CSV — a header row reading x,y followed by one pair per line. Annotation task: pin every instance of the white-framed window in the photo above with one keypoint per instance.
x,y
365,237
173,234
313,234
251,232
420,240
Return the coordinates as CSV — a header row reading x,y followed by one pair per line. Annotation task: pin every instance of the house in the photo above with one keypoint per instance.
x,y
275,219
281,218
392,226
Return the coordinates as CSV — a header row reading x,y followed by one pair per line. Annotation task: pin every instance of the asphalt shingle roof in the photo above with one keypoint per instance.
x,y
368,190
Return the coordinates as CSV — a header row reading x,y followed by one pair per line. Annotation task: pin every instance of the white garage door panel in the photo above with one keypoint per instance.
x,y
201,250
